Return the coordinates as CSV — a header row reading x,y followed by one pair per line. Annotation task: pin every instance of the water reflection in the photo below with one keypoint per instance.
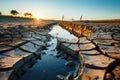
x,y
58,31
49,66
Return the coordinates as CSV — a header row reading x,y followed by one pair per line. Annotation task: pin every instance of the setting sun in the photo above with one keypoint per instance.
x,y
37,15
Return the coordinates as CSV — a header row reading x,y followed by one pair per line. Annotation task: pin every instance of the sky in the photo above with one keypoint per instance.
x,y
55,9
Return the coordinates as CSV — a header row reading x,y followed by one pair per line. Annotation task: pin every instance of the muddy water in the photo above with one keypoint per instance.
x,y
50,66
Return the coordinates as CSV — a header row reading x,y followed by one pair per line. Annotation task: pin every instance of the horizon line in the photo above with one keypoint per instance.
x,y
59,19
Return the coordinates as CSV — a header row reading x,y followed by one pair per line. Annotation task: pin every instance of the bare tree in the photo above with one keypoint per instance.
x,y
14,12
62,17
72,19
80,18
0,13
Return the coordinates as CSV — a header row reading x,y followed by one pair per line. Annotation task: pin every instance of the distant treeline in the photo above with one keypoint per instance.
x,y
4,18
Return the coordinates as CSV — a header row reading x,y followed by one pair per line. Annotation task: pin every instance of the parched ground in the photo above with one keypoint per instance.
x,y
99,44
18,40
99,47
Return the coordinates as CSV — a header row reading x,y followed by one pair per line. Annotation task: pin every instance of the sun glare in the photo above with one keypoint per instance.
x,y
37,16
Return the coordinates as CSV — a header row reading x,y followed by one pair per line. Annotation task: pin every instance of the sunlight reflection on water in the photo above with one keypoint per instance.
x,y
58,31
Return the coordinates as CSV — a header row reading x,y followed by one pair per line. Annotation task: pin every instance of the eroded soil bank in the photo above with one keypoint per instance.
x,y
99,44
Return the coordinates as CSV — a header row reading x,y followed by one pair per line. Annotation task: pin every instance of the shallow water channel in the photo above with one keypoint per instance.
x,y
51,66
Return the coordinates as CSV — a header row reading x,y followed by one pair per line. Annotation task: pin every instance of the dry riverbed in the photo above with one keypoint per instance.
x,y
97,45
100,49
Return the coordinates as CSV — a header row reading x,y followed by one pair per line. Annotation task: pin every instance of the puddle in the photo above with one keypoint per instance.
x,y
47,69
50,65
58,31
